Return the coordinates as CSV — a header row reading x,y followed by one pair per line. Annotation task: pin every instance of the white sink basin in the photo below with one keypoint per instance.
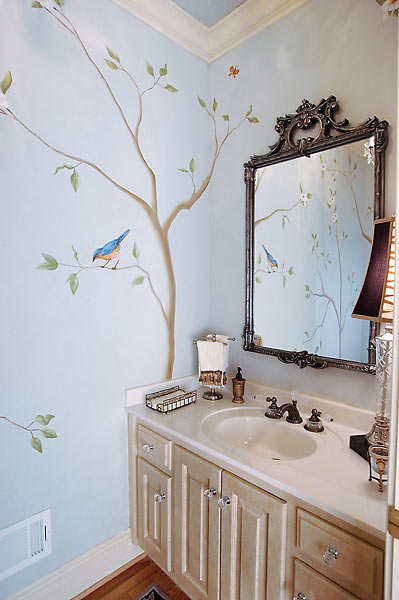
x,y
248,430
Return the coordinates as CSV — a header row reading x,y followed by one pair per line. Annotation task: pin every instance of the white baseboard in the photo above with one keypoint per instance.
x,y
83,571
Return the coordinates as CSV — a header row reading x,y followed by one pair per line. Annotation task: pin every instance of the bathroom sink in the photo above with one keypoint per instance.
x,y
248,430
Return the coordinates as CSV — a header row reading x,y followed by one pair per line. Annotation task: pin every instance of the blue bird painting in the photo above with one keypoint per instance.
x,y
271,261
110,250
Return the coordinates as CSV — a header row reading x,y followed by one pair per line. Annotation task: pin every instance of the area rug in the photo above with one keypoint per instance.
x,y
153,593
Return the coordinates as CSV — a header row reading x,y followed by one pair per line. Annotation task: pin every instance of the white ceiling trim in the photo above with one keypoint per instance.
x,y
209,43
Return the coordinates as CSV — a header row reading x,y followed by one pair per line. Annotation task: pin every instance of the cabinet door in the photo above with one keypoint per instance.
x,y
253,542
154,513
197,525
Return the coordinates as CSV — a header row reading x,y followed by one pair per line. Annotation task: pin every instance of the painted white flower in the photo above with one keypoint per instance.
x,y
3,102
330,201
369,151
334,218
303,199
47,4
390,8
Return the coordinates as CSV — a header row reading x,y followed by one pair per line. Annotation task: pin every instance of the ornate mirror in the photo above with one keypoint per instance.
x,y
310,206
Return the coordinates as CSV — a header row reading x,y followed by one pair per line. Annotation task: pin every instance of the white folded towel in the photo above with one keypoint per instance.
x,y
213,360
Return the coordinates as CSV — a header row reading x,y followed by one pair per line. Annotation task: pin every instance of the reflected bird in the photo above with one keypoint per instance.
x,y
110,250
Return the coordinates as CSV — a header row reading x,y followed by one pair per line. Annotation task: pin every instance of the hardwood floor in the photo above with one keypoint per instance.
x,y
132,583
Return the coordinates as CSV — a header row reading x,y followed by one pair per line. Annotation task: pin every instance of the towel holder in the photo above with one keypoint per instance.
x,y
204,337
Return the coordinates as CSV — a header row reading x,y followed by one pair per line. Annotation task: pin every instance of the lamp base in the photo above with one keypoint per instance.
x,y
359,444
379,433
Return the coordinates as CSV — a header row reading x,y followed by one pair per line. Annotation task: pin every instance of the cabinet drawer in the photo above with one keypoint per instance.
x,y
314,586
358,566
154,448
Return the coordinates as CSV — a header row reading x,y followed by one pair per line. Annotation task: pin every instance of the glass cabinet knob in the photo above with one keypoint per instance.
x,y
148,447
300,596
209,493
222,502
330,556
159,497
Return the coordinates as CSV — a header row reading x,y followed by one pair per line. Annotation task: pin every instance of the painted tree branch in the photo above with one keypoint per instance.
x,y
44,431
150,208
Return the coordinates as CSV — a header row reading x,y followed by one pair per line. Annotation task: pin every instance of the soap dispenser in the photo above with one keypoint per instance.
x,y
238,387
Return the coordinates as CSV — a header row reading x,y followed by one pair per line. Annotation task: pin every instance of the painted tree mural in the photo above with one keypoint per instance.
x,y
222,131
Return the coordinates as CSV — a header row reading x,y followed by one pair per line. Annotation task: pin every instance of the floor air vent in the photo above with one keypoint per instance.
x,y
24,543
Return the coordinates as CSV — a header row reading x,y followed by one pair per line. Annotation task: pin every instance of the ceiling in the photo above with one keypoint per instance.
x,y
209,28
208,12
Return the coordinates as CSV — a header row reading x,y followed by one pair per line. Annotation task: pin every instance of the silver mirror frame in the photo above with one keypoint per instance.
x,y
331,133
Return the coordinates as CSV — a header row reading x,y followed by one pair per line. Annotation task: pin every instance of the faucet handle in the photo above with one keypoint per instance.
x,y
272,410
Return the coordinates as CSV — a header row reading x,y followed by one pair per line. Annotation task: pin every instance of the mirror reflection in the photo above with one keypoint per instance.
x,y
313,223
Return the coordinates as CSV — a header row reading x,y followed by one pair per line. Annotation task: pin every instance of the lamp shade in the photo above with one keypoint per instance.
x,y
375,301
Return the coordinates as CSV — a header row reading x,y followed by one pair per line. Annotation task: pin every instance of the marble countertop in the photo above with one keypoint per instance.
x,y
334,478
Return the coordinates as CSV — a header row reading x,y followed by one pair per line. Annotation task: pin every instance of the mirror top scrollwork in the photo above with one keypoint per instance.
x,y
309,223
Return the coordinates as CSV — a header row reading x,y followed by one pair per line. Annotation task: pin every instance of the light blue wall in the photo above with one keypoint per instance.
x,y
74,355
342,48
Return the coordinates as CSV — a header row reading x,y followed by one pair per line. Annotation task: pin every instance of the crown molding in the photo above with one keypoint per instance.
x,y
209,43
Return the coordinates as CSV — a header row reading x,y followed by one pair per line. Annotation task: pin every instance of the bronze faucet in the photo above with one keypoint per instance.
x,y
276,412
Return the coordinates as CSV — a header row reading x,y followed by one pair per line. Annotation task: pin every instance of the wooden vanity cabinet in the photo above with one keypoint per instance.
x,y
223,538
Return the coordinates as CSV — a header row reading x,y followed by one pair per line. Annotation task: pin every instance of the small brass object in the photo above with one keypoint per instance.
x,y
238,387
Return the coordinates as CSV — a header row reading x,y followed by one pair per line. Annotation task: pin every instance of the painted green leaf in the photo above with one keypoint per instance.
x,y
349,159
60,3
75,180
316,350
307,296
36,444
73,281
291,270
215,105
111,64
283,223
63,167
136,252
150,69
309,196
75,254
253,120
259,259
257,280
36,5
300,187
183,170
307,333
6,82
170,88
202,103
284,280
51,263
191,166
139,280
43,420
355,166
226,117
249,112
48,433
163,71
307,287
113,55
